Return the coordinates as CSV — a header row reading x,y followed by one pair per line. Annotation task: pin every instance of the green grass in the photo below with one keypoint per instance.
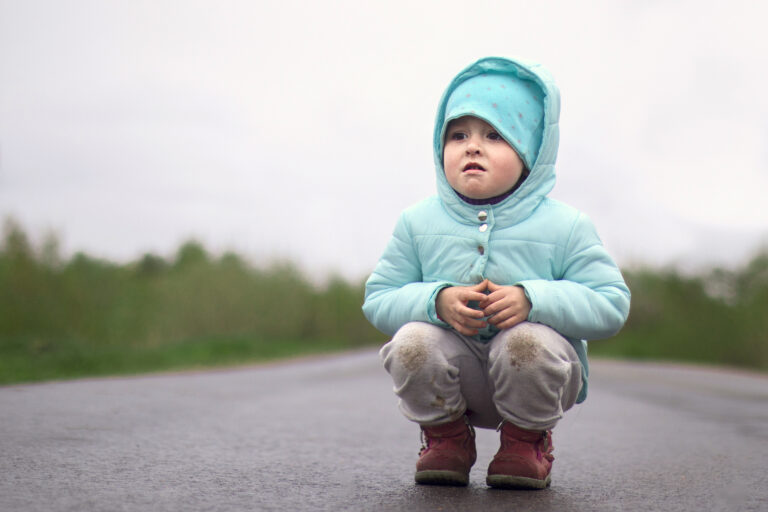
x,y
35,360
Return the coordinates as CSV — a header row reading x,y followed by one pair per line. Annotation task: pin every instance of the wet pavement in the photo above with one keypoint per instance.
x,y
325,434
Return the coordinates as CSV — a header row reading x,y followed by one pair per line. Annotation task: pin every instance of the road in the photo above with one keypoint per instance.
x,y
325,434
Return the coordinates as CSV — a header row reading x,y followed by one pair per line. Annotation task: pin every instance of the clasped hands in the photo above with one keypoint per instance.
x,y
505,306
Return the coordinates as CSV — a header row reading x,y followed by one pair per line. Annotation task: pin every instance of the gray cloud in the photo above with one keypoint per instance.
x,y
302,129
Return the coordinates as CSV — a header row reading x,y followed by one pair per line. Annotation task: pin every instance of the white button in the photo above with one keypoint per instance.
x,y
483,227
482,215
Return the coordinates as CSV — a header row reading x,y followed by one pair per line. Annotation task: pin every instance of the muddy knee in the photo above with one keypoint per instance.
x,y
411,347
520,347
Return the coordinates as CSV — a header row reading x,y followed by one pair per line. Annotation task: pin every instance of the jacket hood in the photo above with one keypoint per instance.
x,y
521,101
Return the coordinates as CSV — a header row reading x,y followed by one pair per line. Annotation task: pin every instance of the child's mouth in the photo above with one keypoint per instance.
x,y
472,166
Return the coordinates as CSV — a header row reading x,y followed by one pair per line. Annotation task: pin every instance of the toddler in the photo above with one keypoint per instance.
x,y
490,287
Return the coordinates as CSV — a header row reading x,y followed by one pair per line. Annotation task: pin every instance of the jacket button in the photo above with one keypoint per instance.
x,y
482,216
483,227
481,249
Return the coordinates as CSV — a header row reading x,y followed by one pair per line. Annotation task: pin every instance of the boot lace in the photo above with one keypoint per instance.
x,y
542,447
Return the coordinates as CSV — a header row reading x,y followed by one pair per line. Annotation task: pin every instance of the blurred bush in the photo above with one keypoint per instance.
x,y
720,317
84,316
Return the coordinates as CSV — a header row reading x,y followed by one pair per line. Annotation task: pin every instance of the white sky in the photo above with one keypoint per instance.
x,y
302,129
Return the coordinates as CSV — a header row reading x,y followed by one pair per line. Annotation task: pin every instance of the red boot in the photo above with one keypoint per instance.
x,y
524,460
447,454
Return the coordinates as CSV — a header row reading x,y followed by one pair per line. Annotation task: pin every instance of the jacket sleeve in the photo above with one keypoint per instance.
x,y
590,300
395,293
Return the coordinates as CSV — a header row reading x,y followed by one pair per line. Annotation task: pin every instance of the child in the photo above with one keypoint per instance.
x,y
490,287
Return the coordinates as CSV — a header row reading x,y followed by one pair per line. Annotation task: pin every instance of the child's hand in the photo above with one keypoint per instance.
x,y
506,306
451,305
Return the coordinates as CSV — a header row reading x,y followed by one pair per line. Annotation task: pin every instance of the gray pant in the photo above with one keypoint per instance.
x,y
527,375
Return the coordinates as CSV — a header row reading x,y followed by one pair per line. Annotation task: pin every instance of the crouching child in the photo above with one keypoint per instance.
x,y
489,289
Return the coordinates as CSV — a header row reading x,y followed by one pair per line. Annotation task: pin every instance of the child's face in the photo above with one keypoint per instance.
x,y
478,162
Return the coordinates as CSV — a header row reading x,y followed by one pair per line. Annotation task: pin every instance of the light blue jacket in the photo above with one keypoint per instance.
x,y
550,249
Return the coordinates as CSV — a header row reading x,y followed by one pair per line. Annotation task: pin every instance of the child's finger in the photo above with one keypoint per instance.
x,y
497,303
491,298
469,312
474,321
479,287
494,308
501,316
477,296
467,331
510,322
470,330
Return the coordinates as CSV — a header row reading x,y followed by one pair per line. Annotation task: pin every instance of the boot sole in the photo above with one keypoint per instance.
x,y
435,477
517,482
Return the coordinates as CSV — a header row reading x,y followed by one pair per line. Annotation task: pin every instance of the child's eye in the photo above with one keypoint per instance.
x,y
494,136
457,136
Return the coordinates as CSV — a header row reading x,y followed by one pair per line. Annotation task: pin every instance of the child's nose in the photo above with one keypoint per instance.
x,y
473,145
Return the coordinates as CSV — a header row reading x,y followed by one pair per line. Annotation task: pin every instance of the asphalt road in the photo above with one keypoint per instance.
x,y
325,434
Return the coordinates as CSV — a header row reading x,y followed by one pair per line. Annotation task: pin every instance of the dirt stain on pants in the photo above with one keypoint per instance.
x,y
412,354
523,350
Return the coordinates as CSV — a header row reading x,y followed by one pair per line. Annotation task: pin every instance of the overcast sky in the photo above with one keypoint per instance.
x,y
302,129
